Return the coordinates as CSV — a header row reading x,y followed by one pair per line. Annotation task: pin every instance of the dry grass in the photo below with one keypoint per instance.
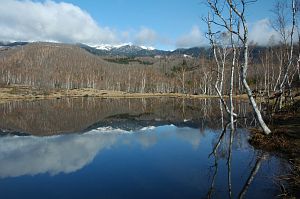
x,y
18,92
284,141
276,141
22,92
283,144
288,148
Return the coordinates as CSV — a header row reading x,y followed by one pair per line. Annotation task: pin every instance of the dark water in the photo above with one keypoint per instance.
x,y
130,148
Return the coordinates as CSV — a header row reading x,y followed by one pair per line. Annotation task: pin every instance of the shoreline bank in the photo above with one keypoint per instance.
x,y
20,93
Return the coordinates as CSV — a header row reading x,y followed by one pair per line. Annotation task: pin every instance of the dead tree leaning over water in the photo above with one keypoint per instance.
x,y
240,32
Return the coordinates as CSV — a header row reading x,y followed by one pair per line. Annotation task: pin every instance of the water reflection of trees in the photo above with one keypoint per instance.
x,y
48,117
223,149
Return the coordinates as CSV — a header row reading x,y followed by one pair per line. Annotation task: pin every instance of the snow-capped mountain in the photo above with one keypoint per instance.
x,y
103,47
147,48
109,47
125,49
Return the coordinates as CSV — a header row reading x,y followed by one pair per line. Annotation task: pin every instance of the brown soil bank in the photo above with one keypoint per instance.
x,y
284,141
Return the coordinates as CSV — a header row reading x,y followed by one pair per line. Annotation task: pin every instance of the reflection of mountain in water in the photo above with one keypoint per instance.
x,y
49,117
30,155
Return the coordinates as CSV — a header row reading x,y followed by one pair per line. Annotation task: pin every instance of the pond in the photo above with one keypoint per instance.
x,y
131,148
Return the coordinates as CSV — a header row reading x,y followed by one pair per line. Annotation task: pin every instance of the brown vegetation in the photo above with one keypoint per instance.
x,y
21,92
284,141
287,147
60,66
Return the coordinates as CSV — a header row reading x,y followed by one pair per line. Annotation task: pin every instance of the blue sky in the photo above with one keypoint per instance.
x,y
162,15
164,24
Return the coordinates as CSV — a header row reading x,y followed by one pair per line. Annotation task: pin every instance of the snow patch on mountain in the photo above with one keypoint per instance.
x,y
109,47
147,48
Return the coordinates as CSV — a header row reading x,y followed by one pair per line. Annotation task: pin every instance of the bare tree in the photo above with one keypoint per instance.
x,y
281,25
239,29
220,52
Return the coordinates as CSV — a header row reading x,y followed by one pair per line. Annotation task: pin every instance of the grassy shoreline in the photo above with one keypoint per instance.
x,y
18,92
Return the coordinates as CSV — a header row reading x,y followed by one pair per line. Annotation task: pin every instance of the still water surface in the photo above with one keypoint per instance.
x,y
130,148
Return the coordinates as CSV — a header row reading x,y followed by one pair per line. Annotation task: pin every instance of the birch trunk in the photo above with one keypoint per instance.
x,y
257,112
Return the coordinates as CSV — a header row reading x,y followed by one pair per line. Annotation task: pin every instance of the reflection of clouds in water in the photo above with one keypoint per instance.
x,y
33,155
68,153
190,135
146,140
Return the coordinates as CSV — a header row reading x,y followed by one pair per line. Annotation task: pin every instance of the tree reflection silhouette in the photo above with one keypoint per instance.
x,y
254,170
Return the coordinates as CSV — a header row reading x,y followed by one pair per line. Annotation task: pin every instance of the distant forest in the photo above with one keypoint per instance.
x,y
62,66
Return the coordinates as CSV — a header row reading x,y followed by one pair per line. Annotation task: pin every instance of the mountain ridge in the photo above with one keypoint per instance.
x,y
131,50
126,49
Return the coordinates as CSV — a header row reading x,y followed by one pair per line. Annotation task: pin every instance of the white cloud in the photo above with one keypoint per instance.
x,y
261,33
29,20
194,38
50,21
146,36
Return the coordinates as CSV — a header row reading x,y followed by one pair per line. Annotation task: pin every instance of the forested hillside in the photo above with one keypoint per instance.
x,y
62,66
51,65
